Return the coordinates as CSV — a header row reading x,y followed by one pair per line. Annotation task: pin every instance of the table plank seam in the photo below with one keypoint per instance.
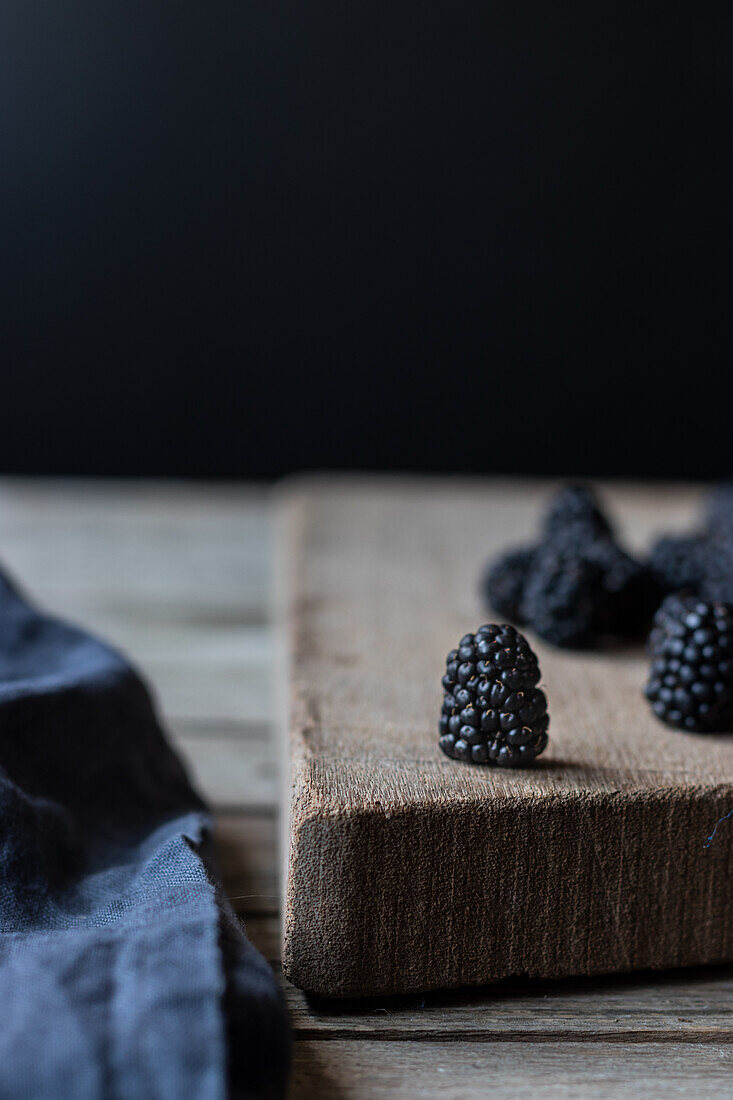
x,y
701,1035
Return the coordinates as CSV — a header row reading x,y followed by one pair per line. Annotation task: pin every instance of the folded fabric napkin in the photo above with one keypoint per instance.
x,y
124,973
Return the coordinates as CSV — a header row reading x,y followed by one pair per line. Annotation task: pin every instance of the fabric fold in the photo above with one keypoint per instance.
x,y
124,973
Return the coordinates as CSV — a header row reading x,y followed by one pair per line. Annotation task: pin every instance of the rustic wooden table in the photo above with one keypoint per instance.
x,y
179,578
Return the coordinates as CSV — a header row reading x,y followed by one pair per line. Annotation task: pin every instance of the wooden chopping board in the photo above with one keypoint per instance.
x,y
408,871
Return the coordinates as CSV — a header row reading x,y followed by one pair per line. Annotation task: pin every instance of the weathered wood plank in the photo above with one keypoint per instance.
x,y
142,553
410,871
223,686
519,1070
176,576
681,1003
232,772
684,1003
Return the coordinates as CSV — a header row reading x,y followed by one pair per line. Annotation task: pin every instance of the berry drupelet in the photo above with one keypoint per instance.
x,y
493,711
691,680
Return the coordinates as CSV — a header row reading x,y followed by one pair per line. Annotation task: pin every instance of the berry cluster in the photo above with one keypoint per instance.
x,y
577,586
702,561
493,711
691,682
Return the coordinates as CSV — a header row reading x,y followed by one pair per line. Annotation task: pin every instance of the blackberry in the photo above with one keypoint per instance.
x,y
719,511
504,582
717,582
679,562
493,712
561,596
575,513
690,684
576,586
700,562
628,594
578,594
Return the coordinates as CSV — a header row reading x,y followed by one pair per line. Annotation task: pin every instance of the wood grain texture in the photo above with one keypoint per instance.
x,y
603,1070
681,1004
408,871
231,769
139,555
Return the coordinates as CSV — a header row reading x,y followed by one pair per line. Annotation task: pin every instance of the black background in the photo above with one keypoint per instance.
x,y
244,238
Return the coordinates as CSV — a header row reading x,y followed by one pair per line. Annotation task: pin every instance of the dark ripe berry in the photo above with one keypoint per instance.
x,y
700,562
575,511
679,562
560,596
717,584
504,582
719,511
693,690
576,587
578,594
498,716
